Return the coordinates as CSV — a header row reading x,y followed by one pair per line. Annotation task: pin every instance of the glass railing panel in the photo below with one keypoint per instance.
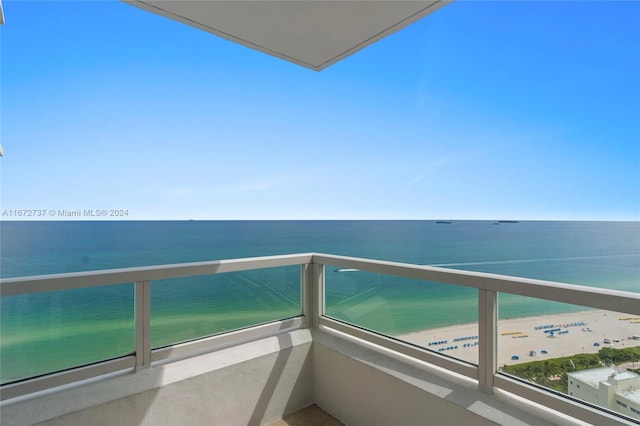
x,y
589,354
188,308
439,317
47,332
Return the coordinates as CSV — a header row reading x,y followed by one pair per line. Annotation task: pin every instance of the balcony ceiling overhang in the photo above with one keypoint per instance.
x,y
311,33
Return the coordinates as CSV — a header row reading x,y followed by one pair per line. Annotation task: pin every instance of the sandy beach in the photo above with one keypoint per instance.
x,y
530,338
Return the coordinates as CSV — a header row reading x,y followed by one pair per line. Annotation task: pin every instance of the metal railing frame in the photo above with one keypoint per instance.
x,y
313,316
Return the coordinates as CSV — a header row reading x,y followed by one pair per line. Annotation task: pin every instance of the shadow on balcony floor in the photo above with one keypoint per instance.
x,y
310,416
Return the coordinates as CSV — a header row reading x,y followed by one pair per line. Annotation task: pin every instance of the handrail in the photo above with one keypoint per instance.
x,y
76,280
615,300
600,298
312,308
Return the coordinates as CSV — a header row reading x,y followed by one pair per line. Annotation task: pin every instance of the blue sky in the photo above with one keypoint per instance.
x,y
482,110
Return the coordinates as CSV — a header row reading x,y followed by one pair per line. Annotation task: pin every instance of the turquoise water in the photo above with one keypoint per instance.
x,y
52,331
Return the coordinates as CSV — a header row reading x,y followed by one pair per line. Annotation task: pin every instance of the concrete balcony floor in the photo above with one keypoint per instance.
x,y
309,416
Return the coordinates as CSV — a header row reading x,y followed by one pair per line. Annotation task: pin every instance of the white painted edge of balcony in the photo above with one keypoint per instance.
x,y
452,388
61,400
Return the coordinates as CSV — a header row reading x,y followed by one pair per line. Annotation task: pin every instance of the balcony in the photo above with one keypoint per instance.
x,y
313,351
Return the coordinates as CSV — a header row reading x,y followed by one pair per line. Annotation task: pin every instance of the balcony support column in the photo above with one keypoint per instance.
x,y
143,323
488,331
313,293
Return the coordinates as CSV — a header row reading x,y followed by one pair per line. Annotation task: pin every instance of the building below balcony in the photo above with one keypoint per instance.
x,y
609,387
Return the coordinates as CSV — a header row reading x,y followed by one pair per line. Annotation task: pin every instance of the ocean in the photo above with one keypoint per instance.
x,y
47,332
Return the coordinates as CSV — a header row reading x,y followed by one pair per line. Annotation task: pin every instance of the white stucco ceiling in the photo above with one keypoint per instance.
x,y
311,33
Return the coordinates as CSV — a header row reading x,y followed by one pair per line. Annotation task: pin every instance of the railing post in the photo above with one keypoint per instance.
x,y
488,325
143,323
312,293
318,294
305,292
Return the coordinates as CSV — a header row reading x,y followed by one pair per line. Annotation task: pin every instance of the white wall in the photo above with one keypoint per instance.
x,y
361,385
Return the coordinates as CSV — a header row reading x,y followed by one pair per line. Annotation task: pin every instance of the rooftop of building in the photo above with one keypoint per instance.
x,y
632,394
594,376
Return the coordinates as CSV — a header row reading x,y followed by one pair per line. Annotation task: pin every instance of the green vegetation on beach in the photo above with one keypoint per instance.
x,y
552,373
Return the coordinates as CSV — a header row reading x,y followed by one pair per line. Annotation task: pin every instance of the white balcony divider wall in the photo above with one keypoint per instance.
x,y
485,376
